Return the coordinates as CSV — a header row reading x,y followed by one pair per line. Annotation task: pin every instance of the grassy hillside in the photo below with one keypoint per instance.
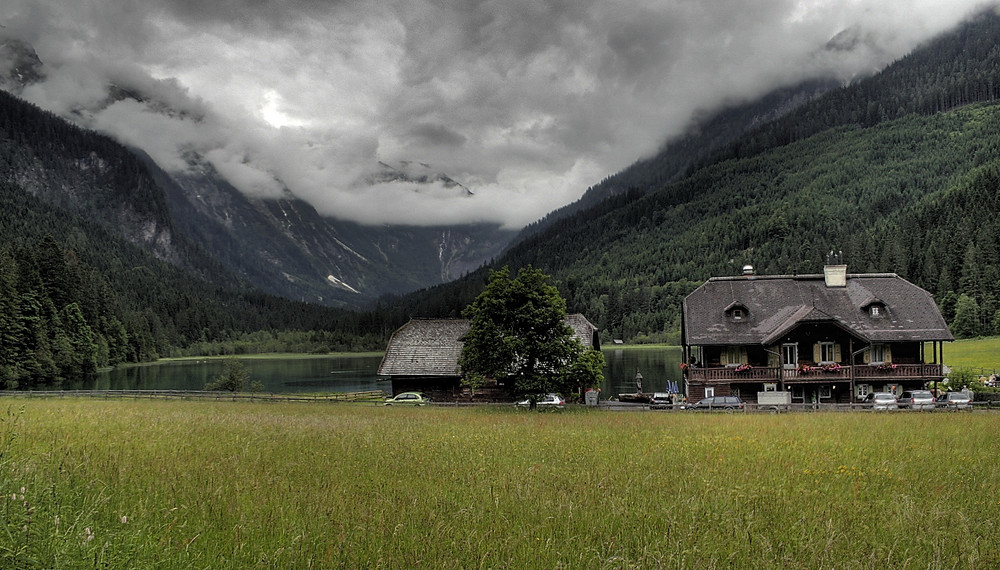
x,y
974,354
227,485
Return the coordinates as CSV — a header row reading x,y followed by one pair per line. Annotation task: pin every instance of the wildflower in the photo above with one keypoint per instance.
x,y
124,519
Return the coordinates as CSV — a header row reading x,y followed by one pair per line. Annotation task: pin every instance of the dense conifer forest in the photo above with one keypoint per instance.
x,y
88,299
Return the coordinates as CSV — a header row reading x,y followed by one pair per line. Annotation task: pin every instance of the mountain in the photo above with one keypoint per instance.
x,y
19,65
281,245
898,170
285,247
708,134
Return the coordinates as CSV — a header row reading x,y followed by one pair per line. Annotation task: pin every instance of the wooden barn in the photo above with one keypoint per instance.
x,y
423,354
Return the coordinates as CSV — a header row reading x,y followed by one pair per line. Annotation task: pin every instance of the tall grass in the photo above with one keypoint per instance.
x,y
177,484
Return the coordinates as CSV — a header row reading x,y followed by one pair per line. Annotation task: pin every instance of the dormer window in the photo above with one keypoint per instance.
x,y
875,308
737,312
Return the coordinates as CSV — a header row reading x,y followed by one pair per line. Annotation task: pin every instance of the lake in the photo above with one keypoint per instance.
x,y
349,373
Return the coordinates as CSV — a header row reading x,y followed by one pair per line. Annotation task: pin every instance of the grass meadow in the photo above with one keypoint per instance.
x,y
978,353
178,484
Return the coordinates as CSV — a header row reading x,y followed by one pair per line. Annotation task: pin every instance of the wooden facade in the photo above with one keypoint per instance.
x,y
830,338
423,355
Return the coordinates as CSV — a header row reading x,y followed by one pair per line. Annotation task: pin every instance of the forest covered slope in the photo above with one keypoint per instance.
x,y
881,170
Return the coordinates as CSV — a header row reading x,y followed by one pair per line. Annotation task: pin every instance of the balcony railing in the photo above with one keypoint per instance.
x,y
815,374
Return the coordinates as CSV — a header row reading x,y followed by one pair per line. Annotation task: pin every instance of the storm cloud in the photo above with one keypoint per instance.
x,y
525,102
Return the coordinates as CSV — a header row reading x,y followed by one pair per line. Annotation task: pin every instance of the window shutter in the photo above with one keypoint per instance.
x,y
888,354
867,356
724,356
836,352
817,352
743,356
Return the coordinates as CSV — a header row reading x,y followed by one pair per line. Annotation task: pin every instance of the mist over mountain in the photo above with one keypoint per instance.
x,y
898,170
276,241
774,182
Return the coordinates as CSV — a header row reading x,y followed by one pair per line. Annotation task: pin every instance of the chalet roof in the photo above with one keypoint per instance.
x,y
777,304
432,347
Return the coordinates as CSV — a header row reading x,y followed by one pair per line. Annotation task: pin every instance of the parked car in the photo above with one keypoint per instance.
x,y
407,399
917,400
727,403
955,401
884,401
661,400
546,401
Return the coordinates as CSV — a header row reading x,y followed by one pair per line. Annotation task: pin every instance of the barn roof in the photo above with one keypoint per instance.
x,y
432,347
425,347
777,304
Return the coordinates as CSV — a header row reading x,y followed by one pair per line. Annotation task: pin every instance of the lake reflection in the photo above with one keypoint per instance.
x,y
658,366
296,374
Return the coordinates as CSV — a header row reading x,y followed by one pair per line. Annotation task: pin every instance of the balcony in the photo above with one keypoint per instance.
x,y
818,374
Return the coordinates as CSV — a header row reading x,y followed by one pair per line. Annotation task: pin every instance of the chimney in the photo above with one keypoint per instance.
x,y
835,272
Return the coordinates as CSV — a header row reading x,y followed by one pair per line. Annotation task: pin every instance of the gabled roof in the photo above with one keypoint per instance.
x,y
777,304
432,347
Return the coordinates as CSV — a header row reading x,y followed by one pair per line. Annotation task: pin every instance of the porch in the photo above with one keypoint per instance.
x,y
817,374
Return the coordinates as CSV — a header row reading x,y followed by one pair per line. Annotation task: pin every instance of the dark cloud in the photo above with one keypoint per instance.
x,y
527,102
436,135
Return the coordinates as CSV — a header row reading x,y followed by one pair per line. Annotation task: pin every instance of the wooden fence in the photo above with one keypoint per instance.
x,y
368,396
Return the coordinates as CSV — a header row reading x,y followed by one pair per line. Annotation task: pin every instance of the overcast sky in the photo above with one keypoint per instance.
x,y
526,102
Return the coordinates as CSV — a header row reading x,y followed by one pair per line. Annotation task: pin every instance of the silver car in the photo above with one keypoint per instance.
x,y
955,401
884,401
546,401
917,400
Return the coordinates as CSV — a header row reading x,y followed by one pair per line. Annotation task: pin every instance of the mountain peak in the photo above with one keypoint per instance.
x,y
20,66
412,172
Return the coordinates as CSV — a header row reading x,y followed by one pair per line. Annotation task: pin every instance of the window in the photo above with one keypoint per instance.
x,y
737,312
710,391
825,392
790,356
698,354
771,387
875,311
732,356
862,391
828,352
878,352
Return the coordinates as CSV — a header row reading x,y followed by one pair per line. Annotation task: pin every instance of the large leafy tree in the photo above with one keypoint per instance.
x,y
518,332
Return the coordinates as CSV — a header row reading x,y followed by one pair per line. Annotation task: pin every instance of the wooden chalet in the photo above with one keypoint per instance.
x,y
423,354
830,338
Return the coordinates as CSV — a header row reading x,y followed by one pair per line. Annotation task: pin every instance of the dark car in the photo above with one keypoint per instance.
x,y
727,403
